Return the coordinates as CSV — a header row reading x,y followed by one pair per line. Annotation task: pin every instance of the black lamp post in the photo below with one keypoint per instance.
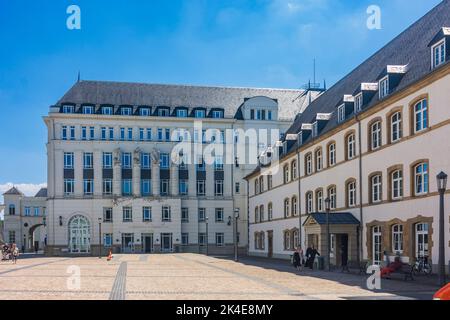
x,y
99,238
236,217
327,208
442,186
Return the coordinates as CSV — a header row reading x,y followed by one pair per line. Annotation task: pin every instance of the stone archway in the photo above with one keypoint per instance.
x,y
79,229
36,236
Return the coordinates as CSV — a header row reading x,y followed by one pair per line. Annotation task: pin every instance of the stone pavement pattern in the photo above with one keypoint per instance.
x,y
186,276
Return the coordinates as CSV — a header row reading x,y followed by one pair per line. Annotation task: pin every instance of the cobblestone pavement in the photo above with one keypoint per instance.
x,y
187,276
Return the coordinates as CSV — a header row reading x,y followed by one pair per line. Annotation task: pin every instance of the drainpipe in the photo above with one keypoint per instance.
x,y
361,220
299,201
248,219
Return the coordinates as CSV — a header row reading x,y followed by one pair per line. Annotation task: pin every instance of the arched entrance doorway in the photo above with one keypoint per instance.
x,y
79,235
36,238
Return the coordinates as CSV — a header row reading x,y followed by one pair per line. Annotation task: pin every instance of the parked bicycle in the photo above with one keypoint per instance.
x,y
422,266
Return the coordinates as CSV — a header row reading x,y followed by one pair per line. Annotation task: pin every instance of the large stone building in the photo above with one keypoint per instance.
x,y
372,145
110,150
24,219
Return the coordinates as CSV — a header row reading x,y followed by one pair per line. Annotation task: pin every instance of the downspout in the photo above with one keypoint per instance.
x,y
361,220
300,233
248,219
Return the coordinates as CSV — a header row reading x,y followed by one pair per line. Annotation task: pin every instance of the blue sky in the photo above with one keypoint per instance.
x,y
261,43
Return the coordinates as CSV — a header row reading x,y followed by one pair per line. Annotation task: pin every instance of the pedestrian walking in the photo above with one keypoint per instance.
x,y
15,253
311,254
298,259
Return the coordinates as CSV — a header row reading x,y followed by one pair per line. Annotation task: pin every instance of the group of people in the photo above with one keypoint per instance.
x,y
301,260
10,252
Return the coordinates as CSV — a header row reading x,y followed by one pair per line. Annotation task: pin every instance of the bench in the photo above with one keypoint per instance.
x,y
361,266
405,270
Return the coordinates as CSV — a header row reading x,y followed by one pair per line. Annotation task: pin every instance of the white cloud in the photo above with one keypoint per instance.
x,y
29,189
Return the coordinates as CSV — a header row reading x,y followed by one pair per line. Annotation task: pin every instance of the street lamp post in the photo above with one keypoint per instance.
x,y
207,240
327,208
99,238
442,186
235,233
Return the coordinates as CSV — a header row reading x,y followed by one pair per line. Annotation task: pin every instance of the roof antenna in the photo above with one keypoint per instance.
x,y
314,82
324,85
79,76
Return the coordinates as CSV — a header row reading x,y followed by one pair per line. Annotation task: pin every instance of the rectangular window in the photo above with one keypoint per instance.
x,y
125,111
126,160
107,186
83,133
202,239
130,134
237,188
220,239
64,133
216,114
201,214
107,240
181,113
103,133
68,160
107,160
219,215
107,215
200,113
72,133
146,214
146,187
111,133
27,211
141,134
88,160
88,186
145,160
184,215
315,130
439,53
341,113
149,134
218,163
144,112
160,134
167,137
12,236
218,188
201,164
201,188
183,187
166,214
358,102
384,87
69,186
92,133
122,134
107,111
127,213
164,160
163,112
185,239
127,187
68,109
36,211
269,115
164,185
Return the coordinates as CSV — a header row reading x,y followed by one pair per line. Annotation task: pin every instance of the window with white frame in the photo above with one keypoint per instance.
x,y
88,186
36,211
397,238
286,208
421,116
220,239
182,113
341,113
126,111
358,102
69,186
107,110
375,134
438,51
68,160
332,197
185,238
107,186
88,110
201,188
107,215
200,113
319,160
270,211
384,87
84,133
287,240
351,194
309,202
184,215
217,114
144,112
308,163
219,215
202,238
88,160
201,214
127,214
183,187
164,187
294,169
166,214
319,201
421,179
396,127
145,160
332,154
107,240
261,213
376,188
27,211
286,174
68,109
256,214
315,130
163,112
64,133
397,184
294,206
351,146
164,160
126,160
146,214
218,188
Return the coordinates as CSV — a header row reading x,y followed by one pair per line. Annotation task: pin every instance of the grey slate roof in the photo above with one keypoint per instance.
x,y
335,218
13,191
155,95
41,193
409,48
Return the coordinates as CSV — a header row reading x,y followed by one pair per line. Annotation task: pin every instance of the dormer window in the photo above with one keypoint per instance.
x,y
438,51
163,112
125,111
88,110
144,112
107,111
358,102
341,113
384,87
181,113
315,130
217,114
200,113
68,109
284,147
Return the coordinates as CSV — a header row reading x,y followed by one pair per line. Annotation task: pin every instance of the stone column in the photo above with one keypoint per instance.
x,y
174,177
117,173
137,172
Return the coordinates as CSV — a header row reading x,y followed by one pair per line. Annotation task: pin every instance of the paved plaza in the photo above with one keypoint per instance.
x,y
187,277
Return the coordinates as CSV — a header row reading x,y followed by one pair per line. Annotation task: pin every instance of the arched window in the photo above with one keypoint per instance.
x,y
286,173
331,154
79,235
286,208
421,179
375,187
332,197
294,205
351,193
269,182
319,200
375,135
256,215
376,245
270,211
309,202
397,238
396,184
308,164
287,240
257,241
261,184
261,213
319,159
295,239
256,186
350,143
12,210
420,115
262,240
294,169
396,127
